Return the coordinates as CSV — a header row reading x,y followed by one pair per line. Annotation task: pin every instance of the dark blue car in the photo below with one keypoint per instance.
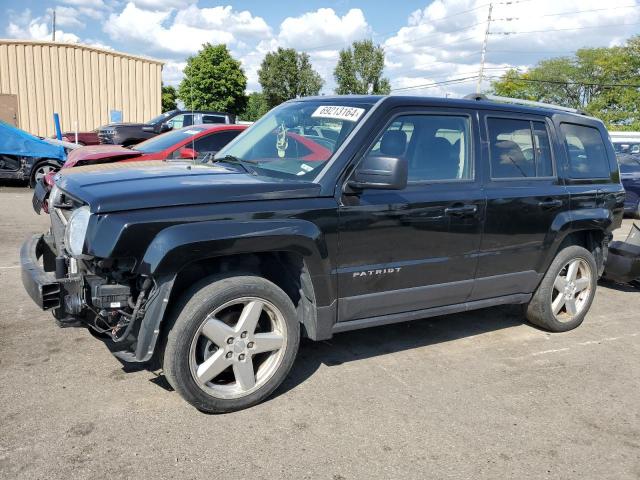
x,y
630,174
26,157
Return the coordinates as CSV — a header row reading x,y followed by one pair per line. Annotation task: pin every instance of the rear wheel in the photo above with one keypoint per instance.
x,y
566,292
233,342
40,170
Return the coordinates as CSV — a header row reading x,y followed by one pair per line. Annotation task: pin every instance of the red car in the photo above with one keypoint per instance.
x,y
84,138
187,143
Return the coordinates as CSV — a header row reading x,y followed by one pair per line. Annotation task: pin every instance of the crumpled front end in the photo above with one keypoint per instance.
x,y
80,290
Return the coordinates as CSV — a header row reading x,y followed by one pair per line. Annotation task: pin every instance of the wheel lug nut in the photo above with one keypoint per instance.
x,y
241,357
230,340
243,334
229,355
250,345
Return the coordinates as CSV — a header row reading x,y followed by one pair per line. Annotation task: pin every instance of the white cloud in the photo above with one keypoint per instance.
x,y
323,28
224,18
68,17
185,31
85,3
24,26
439,44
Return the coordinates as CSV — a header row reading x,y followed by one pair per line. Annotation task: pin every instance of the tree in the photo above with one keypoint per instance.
x,y
287,74
169,97
359,70
213,80
601,81
256,107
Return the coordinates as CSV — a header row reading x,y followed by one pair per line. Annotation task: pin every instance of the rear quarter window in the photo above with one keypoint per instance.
x,y
586,150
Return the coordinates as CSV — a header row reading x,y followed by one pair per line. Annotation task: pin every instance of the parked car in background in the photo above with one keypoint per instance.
x,y
128,134
188,143
27,157
84,138
625,142
630,176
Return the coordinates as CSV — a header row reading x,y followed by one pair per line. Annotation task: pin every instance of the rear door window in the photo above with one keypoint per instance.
x,y
213,119
519,148
586,150
215,141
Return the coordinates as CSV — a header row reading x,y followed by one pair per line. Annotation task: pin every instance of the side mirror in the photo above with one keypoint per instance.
x,y
165,127
380,172
188,153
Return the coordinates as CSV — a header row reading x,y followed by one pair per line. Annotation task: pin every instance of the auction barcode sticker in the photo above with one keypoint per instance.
x,y
351,114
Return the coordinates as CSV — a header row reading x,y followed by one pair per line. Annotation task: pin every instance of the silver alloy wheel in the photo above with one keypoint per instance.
x,y
41,171
571,290
232,360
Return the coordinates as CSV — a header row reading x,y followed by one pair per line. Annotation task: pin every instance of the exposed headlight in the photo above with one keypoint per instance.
x,y
76,231
55,196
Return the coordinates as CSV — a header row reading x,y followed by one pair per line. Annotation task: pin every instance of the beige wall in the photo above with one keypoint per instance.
x,y
80,83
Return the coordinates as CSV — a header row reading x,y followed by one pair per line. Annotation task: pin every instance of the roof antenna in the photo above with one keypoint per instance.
x,y
53,26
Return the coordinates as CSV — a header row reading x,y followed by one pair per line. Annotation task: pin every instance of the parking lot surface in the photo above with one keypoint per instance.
x,y
474,395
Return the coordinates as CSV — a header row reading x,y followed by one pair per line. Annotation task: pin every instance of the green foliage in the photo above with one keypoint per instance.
x,y
359,70
256,107
593,80
287,74
169,97
213,80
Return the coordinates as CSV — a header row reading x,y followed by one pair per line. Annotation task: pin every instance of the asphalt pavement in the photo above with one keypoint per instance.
x,y
480,395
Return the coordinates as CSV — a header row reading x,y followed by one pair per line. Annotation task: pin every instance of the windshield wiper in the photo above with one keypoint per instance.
x,y
236,161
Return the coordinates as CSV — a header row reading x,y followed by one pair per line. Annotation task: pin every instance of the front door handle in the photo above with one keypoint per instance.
x,y
461,211
550,203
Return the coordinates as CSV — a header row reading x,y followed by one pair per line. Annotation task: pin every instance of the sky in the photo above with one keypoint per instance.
x,y
432,47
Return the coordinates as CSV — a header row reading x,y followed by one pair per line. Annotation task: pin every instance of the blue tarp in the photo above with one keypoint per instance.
x,y
14,141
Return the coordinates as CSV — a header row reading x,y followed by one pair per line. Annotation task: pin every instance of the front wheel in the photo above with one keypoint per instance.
x,y
232,343
40,170
566,292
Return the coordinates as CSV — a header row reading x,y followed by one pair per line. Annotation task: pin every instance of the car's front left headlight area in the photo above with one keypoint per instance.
x,y
76,231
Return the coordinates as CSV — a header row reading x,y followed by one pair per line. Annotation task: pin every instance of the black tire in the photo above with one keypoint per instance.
x,y
539,310
185,329
38,167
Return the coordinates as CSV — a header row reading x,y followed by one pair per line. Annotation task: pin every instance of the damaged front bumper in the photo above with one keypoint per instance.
x,y
77,299
40,282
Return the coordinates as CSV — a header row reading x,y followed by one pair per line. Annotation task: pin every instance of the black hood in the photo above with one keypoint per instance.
x,y
148,184
124,125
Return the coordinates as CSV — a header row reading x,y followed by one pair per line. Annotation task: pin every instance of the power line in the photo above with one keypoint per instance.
x,y
585,84
434,84
564,29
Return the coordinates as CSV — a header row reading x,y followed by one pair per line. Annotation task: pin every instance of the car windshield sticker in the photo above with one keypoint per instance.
x,y
281,141
306,167
350,114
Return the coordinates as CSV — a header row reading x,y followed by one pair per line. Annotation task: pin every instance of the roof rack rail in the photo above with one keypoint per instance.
x,y
518,101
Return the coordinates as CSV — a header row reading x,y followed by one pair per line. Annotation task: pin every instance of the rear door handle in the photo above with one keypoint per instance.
x,y
550,203
461,211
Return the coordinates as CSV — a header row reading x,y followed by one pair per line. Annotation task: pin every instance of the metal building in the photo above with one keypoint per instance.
x,y
83,84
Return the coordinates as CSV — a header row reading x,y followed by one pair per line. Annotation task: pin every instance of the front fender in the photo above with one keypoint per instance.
x,y
179,245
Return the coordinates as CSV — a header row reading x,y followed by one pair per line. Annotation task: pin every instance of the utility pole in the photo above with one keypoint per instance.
x,y
484,49
53,26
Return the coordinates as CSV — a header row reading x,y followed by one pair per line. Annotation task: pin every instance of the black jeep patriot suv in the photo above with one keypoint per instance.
x,y
415,207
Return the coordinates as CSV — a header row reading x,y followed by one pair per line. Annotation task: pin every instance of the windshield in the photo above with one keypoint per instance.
x,y
626,146
167,140
629,163
295,140
160,117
